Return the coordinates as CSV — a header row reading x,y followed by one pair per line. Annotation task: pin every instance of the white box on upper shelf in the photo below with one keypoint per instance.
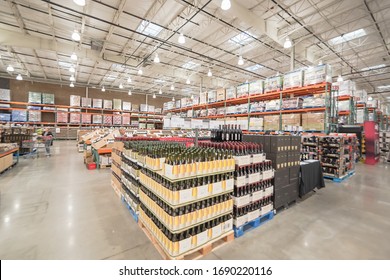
x,y
117,104
203,97
293,79
5,94
126,106
211,96
273,84
230,93
86,102
97,103
195,100
151,108
107,104
372,103
171,105
346,88
221,94
317,74
242,90
74,100
178,104
143,107
256,87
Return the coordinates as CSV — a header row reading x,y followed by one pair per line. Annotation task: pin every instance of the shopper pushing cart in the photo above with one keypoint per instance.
x,y
47,136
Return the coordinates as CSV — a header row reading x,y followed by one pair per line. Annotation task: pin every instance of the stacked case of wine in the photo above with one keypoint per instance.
x,y
184,193
309,147
116,171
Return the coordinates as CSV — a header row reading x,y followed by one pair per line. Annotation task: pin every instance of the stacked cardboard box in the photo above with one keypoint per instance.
x,y
290,120
313,121
284,152
271,122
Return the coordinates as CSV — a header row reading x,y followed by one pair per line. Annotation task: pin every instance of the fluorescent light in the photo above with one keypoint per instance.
x,y
19,77
287,44
209,73
129,93
120,86
10,68
156,58
225,5
140,71
73,56
154,95
103,89
384,87
348,37
71,84
240,60
340,78
71,69
76,35
181,39
129,80
189,65
188,81
160,91
172,87
72,79
149,28
173,99
79,2
373,67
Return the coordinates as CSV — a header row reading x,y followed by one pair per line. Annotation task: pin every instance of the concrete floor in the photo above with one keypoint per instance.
x,y
54,208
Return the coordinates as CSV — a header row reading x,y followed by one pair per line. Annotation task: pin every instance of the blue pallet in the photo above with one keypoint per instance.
x,y
239,231
133,214
339,180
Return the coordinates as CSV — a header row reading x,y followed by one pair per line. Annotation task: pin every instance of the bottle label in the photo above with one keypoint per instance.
x,y
184,245
242,200
217,187
258,158
253,178
257,195
216,231
203,191
185,195
202,238
239,221
169,171
229,184
240,181
269,191
227,225
253,215
242,160
266,209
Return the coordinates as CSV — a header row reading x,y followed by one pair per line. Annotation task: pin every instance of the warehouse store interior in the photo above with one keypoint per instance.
x,y
205,129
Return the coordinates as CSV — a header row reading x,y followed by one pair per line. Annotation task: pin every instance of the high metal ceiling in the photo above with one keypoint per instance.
x,y
119,37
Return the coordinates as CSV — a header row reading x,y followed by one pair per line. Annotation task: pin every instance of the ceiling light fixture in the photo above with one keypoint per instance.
x,y
240,60
181,39
71,84
79,2
369,98
154,95
172,87
129,93
209,73
73,56
71,69
129,80
173,99
72,79
76,35
103,89
188,81
120,86
10,68
225,5
192,96
160,91
156,58
140,72
340,78
287,44
19,77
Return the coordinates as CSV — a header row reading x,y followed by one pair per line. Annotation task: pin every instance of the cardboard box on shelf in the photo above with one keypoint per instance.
x,y
291,119
256,124
317,74
221,94
242,90
293,79
97,103
271,122
230,93
313,121
256,87
203,97
86,102
273,83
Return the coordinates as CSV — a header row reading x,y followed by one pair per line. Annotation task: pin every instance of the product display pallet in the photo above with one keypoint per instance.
x,y
115,188
285,206
194,254
239,231
133,214
5,170
339,180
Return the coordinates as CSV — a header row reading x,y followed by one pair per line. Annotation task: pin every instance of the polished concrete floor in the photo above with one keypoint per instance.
x,y
54,208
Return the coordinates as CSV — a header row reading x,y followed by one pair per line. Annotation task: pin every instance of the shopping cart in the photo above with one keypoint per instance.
x,y
36,145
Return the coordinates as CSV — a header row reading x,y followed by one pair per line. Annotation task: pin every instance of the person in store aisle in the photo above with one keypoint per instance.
x,y
48,138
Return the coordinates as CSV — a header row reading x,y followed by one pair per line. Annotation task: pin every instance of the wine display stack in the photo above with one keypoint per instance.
x,y
337,155
226,133
253,188
384,145
309,147
185,204
116,172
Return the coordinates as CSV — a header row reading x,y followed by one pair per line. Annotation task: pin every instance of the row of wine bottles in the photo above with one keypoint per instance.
x,y
130,182
256,205
236,148
132,200
130,167
226,133
179,243
252,188
188,215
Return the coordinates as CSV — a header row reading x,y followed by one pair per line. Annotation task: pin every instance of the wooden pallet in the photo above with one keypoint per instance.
x,y
193,254
104,166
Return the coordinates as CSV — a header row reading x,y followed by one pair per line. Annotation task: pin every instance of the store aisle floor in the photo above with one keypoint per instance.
x,y
54,208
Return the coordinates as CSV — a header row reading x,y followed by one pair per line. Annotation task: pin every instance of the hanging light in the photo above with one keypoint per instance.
x,y
10,68
160,91
103,89
209,73
129,93
369,98
173,99
72,79
73,56
225,5
79,2
71,84
129,80
340,78
156,58
287,44
120,86
181,39
140,71
240,60
154,95
172,87
71,69
188,81
76,35
192,96
19,77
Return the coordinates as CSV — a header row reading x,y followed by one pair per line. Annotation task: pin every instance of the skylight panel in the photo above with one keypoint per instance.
x,y
149,28
254,67
373,67
242,38
190,65
348,37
